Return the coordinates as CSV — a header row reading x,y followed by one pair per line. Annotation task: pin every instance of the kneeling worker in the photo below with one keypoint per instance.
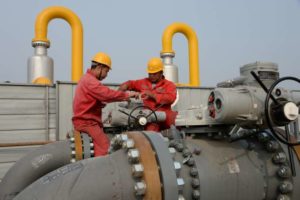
x,y
90,97
157,93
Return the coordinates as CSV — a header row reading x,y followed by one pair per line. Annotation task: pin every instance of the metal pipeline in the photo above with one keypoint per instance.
x,y
44,160
107,177
150,166
33,166
41,25
191,36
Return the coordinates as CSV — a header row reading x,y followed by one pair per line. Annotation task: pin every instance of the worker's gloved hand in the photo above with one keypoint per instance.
x,y
148,95
133,94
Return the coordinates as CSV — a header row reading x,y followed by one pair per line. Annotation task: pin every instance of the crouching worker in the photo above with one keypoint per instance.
x,y
90,97
157,93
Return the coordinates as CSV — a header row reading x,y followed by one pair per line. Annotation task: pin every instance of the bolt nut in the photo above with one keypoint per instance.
x,y
73,160
263,137
177,167
73,152
124,137
121,138
113,140
181,197
194,172
279,158
284,172
133,155
172,143
172,151
285,187
283,197
179,147
180,183
128,144
114,144
195,183
196,195
137,170
191,162
272,146
197,151
72,139
186,152
140,188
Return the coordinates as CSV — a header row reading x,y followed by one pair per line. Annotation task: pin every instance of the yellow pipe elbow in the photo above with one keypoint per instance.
x,y
192,44
41,25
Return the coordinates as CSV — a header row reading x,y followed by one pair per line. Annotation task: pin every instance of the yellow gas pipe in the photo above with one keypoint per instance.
x,y
41,25
192,44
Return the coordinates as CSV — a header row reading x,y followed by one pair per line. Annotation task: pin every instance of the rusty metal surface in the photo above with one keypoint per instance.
x,y
78,145
166,164
148,160
297,151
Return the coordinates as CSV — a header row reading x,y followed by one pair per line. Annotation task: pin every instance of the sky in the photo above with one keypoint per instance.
x,y
230,34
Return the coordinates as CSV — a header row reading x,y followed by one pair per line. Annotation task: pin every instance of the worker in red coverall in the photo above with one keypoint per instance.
x,y
157,93
90,97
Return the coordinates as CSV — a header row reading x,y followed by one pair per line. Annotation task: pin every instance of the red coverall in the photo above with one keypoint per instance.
x,y
90,97
165,93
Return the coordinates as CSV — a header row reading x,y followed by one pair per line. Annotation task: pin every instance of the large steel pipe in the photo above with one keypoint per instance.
x,y
33,166
93,179
150,166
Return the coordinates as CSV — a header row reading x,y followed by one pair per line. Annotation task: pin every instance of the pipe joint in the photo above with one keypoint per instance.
x,y
167,54
167,49
39,43
41,28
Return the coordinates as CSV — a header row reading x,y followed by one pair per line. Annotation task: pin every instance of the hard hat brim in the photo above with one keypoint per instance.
x,y
153,71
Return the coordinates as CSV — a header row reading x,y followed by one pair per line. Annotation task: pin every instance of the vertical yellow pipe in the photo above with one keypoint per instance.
x,y
41,25
192,44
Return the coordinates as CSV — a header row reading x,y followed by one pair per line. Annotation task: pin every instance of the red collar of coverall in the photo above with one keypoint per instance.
x,y
89,71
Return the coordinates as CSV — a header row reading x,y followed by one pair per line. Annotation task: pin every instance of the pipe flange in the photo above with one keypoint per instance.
x,y
122,141
279,157
189,161
170,181
167,54
87,146
82,146
147,169
40,43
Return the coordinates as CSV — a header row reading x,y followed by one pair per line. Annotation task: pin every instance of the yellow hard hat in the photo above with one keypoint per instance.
x,y
154,65
42,80
102,58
